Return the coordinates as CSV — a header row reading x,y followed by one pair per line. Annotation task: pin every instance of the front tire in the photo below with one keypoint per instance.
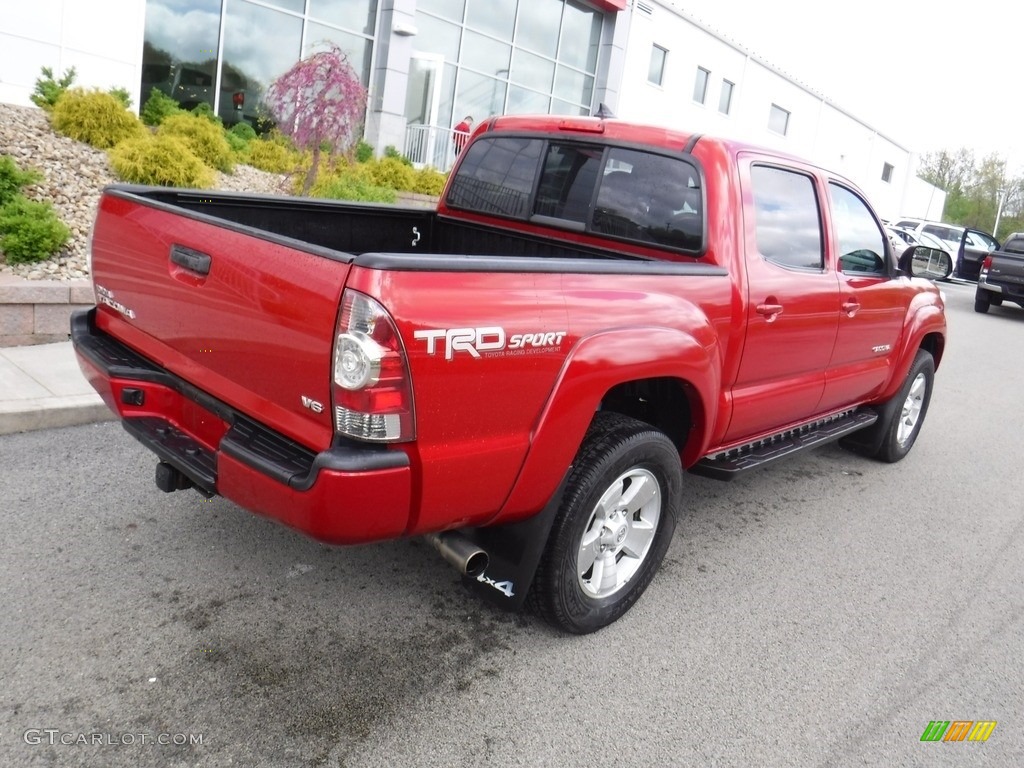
x,y
614,525
913,398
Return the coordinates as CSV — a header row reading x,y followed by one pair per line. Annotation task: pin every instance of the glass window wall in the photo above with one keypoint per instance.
x,y
260,42
495,17
355,15
513,56
179,55
454,10
358,49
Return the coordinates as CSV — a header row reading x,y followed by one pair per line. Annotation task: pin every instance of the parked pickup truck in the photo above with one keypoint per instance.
x,y
524,373
1002,275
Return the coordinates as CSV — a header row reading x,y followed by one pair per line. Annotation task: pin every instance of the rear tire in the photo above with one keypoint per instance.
x,y
981,301
614,525
913,398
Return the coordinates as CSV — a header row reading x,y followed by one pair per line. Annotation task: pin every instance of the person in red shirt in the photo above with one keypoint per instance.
x,y
461,135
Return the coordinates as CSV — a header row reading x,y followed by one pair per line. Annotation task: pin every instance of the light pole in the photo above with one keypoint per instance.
x,y
999,211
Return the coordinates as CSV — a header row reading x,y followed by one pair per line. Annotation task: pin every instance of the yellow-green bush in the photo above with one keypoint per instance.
x,y
392,172
272,156
204,138
95,117
348,183
429,181
164,160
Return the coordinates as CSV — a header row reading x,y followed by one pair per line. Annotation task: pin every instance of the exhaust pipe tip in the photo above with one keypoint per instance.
x,y
469,559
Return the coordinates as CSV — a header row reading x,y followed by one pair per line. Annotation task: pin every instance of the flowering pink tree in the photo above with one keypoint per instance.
x,y
319,101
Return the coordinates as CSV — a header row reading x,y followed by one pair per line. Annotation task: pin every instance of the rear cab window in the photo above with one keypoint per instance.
x,y
623,193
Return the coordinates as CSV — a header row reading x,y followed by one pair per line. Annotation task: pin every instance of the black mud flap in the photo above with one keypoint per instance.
x,y
514,552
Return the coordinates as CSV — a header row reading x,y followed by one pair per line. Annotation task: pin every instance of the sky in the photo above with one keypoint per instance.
x,y
923,74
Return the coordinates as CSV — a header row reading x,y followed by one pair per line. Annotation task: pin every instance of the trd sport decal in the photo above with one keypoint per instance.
x,y
491,340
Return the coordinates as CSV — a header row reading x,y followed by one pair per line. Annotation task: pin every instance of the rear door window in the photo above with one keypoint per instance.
x,y
788,218
651,198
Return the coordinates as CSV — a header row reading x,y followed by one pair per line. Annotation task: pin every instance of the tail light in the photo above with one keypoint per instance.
x,y
985,266
372,387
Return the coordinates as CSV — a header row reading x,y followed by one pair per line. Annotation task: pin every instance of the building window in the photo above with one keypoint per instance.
x,y
725,99
886,172
700,85
778,120
656,72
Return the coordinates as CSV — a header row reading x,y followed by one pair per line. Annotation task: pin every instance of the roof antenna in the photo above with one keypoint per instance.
x,y
603,112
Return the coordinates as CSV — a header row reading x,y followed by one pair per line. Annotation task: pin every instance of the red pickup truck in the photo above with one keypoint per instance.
x,y
524,373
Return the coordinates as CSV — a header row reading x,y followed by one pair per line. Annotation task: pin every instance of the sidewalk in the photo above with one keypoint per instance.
x,y
41,387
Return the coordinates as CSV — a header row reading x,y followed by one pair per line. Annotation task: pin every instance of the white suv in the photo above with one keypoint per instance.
x,y
950,234
968,247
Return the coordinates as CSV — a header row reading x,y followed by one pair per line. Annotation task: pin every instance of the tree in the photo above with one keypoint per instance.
x,y
973,192
950,171
319,103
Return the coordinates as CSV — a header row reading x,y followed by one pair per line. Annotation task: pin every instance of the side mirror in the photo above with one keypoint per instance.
x,y
862,262
930,263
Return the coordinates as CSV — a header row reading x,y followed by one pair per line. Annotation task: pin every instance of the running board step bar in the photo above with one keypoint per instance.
x,y
729,464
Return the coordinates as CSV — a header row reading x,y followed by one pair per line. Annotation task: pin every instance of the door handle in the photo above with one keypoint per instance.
x,y
850,307
192,260
770,311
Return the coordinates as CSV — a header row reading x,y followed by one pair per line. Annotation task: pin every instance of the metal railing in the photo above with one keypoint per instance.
x,y
430,145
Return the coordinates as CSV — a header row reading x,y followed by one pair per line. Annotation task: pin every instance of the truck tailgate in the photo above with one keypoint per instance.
x,y
1007,269
246,316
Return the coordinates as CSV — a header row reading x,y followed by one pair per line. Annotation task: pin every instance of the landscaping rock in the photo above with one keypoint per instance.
x,y
74,175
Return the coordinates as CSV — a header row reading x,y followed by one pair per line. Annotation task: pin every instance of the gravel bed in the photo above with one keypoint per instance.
x,y
74,175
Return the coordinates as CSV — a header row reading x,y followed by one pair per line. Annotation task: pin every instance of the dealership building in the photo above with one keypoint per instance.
x,y
429,63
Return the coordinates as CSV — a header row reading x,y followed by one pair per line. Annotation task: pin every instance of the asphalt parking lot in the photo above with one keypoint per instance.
x,y
820,612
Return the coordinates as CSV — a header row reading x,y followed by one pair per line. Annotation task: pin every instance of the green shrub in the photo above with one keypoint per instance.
x,y
428,181
243,131
272,156
239,146
364,152
163,160
391,152
351,187
122,95
30,231
205,111
48,90
205,139
94,117
158,107
392,172
12,179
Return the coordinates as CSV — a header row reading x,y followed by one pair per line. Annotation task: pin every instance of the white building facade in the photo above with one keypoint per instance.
x,y
428,63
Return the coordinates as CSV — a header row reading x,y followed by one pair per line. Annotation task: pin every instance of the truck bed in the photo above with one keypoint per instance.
x,y
352,228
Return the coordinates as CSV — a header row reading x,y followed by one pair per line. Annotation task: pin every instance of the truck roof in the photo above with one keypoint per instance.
x,y
627,131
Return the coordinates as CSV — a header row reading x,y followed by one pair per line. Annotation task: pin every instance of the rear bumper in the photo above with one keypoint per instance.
x,y
1014,293
347,494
